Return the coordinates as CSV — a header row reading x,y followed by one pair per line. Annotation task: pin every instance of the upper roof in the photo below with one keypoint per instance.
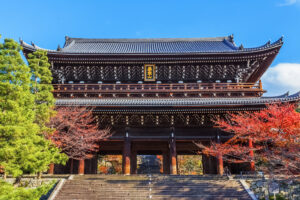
x,y
151,46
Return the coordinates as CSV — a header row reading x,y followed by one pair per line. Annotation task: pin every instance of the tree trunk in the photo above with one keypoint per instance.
x,y
4,176
39,175
17,181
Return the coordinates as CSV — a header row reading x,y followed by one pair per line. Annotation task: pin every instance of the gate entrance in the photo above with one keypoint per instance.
x,y
149,164
109,164
190,164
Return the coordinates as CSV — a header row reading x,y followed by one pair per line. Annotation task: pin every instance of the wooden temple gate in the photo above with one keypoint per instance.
x,y
160,95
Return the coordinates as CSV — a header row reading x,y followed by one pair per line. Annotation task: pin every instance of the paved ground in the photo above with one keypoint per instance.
x,y
151,187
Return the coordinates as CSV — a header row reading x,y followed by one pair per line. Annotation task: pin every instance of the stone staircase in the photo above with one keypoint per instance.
x,y
160,187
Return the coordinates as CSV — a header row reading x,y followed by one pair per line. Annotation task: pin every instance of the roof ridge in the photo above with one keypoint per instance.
x,y
120,40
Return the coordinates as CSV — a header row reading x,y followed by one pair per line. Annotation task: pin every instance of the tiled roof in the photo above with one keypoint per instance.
x,y
175,102
151,46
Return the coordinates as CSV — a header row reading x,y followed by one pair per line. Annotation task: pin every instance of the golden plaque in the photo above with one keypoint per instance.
x,y
149,72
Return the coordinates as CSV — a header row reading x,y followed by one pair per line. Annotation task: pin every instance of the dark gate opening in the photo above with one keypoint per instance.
x,y
149,163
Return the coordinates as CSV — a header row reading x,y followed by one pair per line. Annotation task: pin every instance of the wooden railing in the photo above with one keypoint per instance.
x,y
184,88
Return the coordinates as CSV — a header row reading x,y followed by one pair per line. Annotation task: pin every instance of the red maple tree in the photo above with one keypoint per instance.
x,y
273,134
77,132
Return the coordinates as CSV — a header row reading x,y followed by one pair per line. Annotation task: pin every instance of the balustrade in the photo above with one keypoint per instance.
x,y
176,88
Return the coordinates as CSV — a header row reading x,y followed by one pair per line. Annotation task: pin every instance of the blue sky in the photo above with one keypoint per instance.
x,y
253,23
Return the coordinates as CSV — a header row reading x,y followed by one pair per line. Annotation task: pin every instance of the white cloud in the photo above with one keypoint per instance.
x,y
282,78
289,2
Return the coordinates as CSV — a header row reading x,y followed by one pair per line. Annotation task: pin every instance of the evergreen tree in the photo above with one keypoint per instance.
x,y
23,149
41,87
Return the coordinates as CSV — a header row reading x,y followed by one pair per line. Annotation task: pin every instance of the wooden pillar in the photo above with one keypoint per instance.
x,y
71,165
126,155
220,168
220,164
173,155
166,162
134,162
81,167
51,169
252,164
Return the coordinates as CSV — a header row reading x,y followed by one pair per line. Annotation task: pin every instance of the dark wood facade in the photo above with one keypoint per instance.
x,y
160,95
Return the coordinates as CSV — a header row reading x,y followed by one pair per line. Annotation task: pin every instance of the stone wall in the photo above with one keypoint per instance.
x,y
262,188
32,181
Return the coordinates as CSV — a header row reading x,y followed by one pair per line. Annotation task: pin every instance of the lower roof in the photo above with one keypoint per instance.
x,y
176,102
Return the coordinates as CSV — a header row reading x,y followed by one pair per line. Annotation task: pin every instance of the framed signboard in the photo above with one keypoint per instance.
x,y
149,72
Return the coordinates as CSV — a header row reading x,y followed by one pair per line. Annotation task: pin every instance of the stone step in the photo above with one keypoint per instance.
x,y
162,187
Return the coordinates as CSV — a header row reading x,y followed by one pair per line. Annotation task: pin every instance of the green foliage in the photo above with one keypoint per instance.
x,y
9,192
41,87
23,147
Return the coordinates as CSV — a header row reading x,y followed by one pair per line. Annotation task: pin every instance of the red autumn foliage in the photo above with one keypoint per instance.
x,y
76,132
275,133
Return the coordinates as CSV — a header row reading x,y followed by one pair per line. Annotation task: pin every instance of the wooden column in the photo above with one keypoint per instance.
x,y
126,155
133,162
252,164
81,167
220,158
71,160
220,164
173,155
166,162
51,169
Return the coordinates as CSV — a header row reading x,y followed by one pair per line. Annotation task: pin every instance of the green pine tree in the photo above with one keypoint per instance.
x,y
23,149
41,87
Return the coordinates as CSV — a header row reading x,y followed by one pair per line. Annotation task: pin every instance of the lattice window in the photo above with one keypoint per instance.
x,y
180,120
108,73
164,120
122,72
163,73
190,73
176,73
134,120
149,120
69,73
93,73
230,72
217,72
195,120
120,120
204,73
104,120
136,73
57,74
82,73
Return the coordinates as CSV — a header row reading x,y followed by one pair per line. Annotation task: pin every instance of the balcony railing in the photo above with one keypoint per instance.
x,y
253,89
